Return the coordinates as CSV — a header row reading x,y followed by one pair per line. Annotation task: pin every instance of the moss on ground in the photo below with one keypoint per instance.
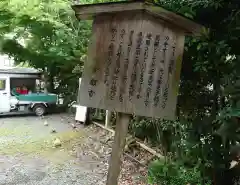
x,y
15,141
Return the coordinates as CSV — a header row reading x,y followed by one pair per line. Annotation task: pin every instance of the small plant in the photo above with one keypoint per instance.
x,y
171,173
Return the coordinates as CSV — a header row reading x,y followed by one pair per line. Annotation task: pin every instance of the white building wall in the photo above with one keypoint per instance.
x,y
5,61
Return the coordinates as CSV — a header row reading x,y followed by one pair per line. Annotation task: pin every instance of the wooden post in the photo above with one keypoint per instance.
x,y
108,118
117,148
88,117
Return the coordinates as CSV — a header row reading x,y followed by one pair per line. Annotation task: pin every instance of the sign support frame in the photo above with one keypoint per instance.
x,y
121,131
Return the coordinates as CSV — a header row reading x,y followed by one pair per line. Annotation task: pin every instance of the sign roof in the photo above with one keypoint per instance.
x,y
89,11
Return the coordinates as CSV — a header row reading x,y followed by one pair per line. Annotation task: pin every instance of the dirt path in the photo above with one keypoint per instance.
x,y
27,155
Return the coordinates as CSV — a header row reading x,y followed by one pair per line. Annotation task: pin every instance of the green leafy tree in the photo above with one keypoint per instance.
x,y
47,36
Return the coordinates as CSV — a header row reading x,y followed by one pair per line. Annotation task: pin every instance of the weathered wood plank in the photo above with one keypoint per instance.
x,y
133,66
118,148
142,145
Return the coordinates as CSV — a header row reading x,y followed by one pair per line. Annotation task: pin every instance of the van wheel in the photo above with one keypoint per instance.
x,y
39,110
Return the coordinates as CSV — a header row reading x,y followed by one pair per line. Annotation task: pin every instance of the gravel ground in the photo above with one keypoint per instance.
x,y
28,157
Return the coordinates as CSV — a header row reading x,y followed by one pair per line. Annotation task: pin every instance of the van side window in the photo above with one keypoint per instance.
x,y
2,84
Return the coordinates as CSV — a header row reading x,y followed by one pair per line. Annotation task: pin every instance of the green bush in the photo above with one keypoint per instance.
x,y
171,173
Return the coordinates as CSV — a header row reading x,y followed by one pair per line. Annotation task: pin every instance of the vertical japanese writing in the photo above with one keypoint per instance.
x,y
108,63
125,67
113,89
158,88
165,95
152,70
91,93
166,86
165,48
143,66
135,65
172,61
113,34
93,83
170,68
109,56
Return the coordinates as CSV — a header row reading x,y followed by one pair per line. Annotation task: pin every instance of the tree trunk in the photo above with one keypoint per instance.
x,y
50,83
216,93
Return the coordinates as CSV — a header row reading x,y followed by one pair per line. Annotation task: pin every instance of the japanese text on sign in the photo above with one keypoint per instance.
x,y
135,70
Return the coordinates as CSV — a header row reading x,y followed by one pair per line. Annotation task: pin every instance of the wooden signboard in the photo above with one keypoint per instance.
x,y
133,65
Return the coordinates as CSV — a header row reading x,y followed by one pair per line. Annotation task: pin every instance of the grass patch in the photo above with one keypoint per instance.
x,y
38,145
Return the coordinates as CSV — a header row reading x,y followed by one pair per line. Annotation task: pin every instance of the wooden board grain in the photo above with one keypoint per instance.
x,y
133,65
89,11
118,148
